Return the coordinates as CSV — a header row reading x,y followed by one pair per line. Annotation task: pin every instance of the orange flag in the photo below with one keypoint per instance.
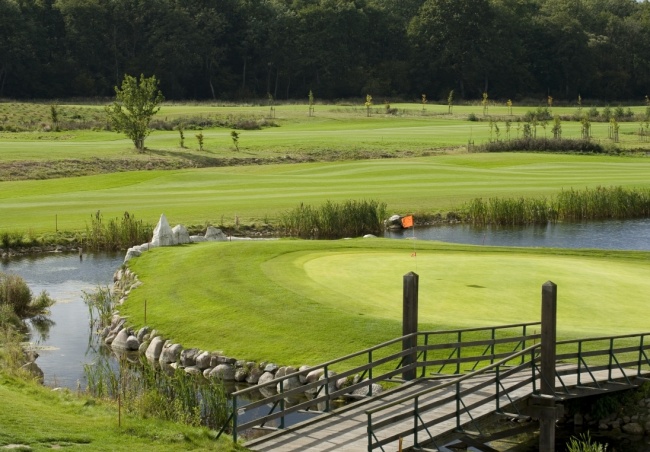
x,y
407,222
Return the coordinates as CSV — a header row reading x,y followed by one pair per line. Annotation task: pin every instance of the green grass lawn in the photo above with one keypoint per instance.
x,y
40,419
340,128
259,194
298,302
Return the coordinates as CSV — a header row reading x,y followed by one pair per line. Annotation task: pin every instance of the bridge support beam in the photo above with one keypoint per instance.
x,y
410,322
547,413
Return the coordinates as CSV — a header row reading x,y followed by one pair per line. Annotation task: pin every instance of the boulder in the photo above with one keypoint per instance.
x,y
132,343
254,375
197,238
224,372
314,375
131,253
171,354
155,348
303,376
213,234
193,370
163,234
633,428
203,360
365,390
181,236
271,367
188,357
119,342
241,374
142,332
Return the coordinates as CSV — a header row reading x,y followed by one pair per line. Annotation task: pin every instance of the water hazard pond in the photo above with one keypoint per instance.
x,y
65,277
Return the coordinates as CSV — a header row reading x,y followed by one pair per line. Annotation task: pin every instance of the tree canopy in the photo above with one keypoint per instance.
x,y
239,49
136,102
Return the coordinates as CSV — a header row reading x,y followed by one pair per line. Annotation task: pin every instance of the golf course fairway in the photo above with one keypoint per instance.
x,y
305,302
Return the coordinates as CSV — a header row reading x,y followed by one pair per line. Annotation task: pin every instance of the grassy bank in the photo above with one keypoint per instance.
x,y
39,419
333,133
259,194
336,297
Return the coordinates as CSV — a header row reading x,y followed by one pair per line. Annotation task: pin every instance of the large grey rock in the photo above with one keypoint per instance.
x,y
188,357
303,376
214,234
120,340
314,375
163,234
180,234
254,375
365,390
171,354
142,332
132,343
155,348
203,360
633,428
197,238
193,370
241,374
131,253
224,372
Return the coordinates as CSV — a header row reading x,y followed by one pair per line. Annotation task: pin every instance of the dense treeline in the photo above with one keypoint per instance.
x,y
238,49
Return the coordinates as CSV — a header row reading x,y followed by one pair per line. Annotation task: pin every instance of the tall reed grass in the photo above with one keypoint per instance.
x,y
146,390
100,306
116,234
334,220
600,203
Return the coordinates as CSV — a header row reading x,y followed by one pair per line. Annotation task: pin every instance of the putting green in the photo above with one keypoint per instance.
x,y
309,301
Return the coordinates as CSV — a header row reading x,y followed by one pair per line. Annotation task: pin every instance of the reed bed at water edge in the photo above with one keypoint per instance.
x,y
116,234
600,203
334,220
146,390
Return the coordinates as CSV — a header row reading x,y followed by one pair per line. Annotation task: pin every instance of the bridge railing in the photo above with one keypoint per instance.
x,y
413,406
448,351
463,350
622,356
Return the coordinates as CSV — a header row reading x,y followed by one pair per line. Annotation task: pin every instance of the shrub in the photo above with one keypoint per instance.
x,y
528,143
18,304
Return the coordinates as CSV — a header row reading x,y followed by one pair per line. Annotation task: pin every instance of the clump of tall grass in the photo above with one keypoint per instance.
x,y
100,306
543,145
148,391
603,203
600,203
116,234
334,220
583,443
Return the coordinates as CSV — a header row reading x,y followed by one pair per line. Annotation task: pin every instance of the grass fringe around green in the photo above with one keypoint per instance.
x,y
600,203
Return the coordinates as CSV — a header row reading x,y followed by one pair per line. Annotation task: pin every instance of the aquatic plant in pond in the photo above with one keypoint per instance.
x,y
334,220
599,203
116,234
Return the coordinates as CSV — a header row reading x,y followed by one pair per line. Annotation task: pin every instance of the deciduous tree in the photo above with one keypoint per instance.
x,y
136,102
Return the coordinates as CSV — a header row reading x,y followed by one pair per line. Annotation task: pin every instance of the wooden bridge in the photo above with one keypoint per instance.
x,y
444,384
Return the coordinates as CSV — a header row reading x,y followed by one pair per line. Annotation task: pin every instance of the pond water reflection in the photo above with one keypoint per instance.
x,y
613,234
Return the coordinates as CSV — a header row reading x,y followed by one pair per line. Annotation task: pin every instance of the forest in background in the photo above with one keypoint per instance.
x,y
282,49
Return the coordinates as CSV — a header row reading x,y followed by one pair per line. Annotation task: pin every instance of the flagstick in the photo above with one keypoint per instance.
x,y
415,252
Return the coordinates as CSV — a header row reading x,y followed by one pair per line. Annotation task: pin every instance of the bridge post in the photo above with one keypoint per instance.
x,y
410,322
547,413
